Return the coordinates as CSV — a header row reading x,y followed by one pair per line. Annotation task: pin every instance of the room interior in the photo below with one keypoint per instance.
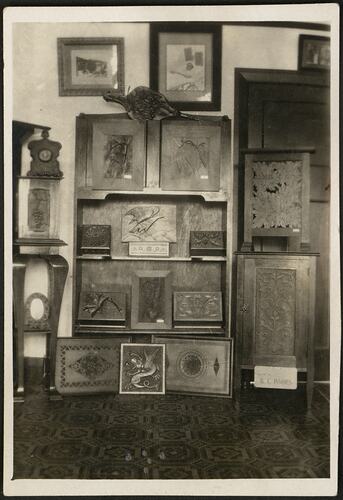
x,y
265,107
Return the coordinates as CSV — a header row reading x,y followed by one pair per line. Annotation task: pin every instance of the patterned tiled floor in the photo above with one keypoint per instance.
x,y
172,437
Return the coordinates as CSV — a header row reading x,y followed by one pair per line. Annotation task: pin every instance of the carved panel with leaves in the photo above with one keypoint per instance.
x,y
276,194
275,311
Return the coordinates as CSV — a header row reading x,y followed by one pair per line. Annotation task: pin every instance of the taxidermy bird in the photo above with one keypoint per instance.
x,y
143,103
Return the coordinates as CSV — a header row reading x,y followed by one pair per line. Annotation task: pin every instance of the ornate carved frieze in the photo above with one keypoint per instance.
x,y
198,306
39,210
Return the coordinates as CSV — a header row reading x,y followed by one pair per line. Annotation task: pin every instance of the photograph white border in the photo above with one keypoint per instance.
x,y
316,13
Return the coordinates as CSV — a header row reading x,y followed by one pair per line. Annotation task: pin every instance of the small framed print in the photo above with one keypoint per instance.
x,y
185,64
314,53
198,366
151,223
102,307
116,159
95,239
151,300
90,66
142,369
148,249
190,156
198,308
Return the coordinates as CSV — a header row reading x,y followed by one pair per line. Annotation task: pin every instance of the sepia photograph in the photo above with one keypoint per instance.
x,y
172,281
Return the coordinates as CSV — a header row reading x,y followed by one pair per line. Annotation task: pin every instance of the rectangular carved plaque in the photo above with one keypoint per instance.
x,y
99,306
199,307
207,243
39,210
153,223
95,238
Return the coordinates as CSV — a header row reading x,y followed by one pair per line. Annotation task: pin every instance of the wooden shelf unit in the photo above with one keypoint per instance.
x,y
195,210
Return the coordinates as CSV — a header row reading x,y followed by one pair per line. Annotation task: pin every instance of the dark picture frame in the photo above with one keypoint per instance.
x,y
86,66
314,53
151,300
196,46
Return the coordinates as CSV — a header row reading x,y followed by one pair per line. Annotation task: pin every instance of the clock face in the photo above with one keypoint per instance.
x,y
45,155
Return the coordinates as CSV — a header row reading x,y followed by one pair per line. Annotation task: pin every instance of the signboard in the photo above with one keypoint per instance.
x,y
148,249
275,377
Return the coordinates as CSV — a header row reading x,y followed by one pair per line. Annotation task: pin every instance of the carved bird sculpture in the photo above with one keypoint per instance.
x,y
143,103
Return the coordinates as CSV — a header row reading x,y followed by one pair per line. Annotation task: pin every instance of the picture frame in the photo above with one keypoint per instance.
x,y
201,367
198,308
37,312
115,154
185,64
314,53
88,365
142,368
151,304
190,156
90,66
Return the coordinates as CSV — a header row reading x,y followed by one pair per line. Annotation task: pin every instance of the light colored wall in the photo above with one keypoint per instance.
x,y
36,100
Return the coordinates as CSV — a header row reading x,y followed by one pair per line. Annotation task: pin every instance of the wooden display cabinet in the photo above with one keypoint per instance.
x,y
160,195
275,313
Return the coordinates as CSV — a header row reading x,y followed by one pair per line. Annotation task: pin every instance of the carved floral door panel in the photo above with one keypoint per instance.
x,y
274,309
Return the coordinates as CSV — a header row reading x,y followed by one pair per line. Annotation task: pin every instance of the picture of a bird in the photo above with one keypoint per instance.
x,y
98,301
143,103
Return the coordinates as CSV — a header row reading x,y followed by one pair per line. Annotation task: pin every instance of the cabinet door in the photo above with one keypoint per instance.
x,y
275,309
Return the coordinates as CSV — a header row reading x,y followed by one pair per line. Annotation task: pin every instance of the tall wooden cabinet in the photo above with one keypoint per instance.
x,y
182,169
275,313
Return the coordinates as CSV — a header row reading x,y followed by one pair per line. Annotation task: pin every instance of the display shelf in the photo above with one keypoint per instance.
x,y
102,200
164,259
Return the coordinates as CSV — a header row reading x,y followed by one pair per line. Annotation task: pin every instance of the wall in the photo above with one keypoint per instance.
x,y
36,100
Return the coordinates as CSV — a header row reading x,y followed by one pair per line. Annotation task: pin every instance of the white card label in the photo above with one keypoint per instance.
x,y
147,249
275,377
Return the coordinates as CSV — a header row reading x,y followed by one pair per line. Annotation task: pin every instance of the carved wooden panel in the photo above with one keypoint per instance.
x,y
95,238
117,159
37,312
198,306
276,194
102,306
275,311
39,210
207,243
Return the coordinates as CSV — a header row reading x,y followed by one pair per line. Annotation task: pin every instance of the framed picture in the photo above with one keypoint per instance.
x,y
314,52
198,307
102,307
142,369
198,366
37,312
190,156
185,64
90,66
151,300
153,223
88,365
116,154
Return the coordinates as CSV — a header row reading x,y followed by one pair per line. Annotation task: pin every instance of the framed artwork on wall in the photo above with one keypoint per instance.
x,y
198,366
185,64
314,53
151,300
90,66
142,369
